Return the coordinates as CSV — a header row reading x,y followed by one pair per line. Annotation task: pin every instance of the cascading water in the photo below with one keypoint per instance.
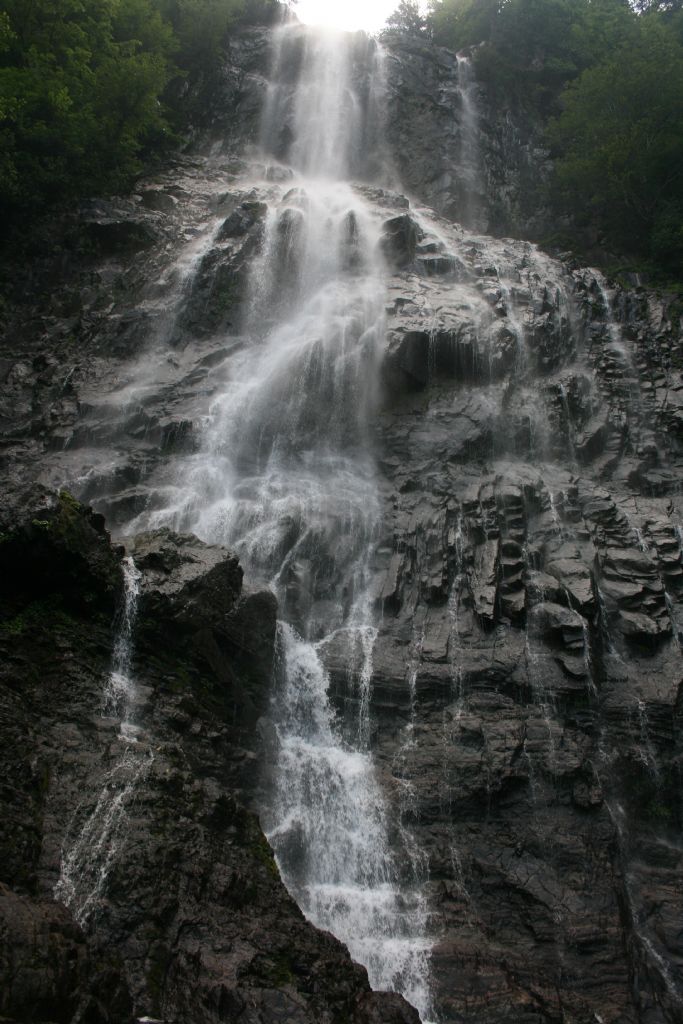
x,y
95,843
119,691
328,824
87,860
469,156
286,478
617,355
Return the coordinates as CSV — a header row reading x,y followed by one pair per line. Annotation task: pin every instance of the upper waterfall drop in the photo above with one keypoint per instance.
x,y
285,473
327,123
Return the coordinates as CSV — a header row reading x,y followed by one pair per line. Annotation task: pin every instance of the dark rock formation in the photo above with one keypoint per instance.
x,y
194,923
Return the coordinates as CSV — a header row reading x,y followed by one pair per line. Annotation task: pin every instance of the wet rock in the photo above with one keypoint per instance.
x,y
591,439
577,582
435,265
542,587
180,571
162,202
217,291
196,590
558,621
639,627
120,237
400,236
189,873
586,796
46,967
241,220
485,580
50,544
384,1008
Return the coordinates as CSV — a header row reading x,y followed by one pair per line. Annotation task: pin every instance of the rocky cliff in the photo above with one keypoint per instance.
x,y
186,917
455,146
527,578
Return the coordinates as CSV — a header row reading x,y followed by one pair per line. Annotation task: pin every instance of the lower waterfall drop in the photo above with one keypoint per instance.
x,y
328,825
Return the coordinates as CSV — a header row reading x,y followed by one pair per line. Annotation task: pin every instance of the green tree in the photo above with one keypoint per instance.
x,y
608,76
85,94
406,19
463,23
84,87
201,27
658,6
79,85
532,48
619,142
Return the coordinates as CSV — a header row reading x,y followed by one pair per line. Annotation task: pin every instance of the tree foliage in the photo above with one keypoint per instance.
x,y
619,145
79,88
407,19
531,47
200,26
84,88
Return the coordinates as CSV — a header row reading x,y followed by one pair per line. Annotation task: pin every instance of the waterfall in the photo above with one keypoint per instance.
x,y
327,822
97,843
469,156
95,839
617,353
119,691
286,477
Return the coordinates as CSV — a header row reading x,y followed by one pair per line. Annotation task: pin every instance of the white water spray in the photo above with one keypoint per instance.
x,y
328,823
287,479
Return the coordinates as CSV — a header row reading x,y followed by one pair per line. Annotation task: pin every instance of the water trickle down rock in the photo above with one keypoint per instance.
x,y
94,845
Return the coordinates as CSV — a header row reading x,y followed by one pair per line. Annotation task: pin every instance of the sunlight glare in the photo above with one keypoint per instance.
x,y
348,15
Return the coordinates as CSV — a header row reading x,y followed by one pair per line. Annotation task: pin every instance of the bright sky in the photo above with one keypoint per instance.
x,y
346,14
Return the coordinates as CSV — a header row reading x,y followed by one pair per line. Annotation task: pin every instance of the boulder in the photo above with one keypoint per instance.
x,y
400,236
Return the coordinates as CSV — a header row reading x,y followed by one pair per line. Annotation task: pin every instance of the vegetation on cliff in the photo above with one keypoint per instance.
x,y
605,78
89,88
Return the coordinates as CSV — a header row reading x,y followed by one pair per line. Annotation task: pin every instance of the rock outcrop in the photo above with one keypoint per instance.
x,y
194,922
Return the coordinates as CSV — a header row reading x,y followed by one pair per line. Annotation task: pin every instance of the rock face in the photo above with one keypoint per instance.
x,y
469,156
194,923
527,684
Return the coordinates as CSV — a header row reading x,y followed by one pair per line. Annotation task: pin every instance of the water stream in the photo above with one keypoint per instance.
x,y
469,155
286,477
94,839
119,692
